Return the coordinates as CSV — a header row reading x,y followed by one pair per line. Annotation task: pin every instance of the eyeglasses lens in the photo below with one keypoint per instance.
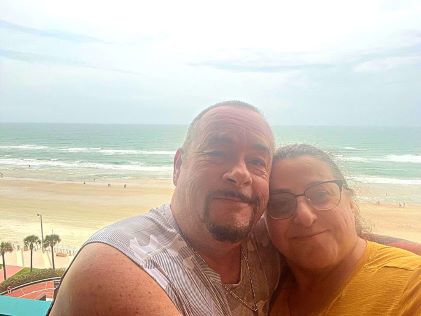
x,y
323,196
282,205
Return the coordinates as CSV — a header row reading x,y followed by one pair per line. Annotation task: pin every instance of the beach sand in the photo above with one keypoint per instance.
x,y
74,210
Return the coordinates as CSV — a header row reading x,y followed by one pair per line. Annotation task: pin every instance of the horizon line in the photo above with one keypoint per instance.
x,y
186,124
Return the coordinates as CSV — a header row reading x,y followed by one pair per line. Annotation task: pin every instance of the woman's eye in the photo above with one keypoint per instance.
x,y
320,196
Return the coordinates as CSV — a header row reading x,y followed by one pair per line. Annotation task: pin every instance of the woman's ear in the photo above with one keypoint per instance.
x,y
178,160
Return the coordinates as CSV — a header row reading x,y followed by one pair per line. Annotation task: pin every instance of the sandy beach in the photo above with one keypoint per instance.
x,y
74,210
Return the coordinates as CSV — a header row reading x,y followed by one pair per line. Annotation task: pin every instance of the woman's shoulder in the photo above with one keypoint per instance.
x,y
391,258
387,284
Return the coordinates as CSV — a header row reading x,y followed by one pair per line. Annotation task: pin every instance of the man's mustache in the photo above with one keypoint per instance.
x,y
233,194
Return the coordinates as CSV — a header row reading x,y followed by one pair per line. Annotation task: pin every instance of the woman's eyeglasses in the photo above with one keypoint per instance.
x,y
322,196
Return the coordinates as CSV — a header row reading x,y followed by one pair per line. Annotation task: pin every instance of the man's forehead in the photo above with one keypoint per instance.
x,y
221,138
234,117
226,125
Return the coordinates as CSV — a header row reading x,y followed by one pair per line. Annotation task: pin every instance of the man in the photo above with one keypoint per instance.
x,y
197,256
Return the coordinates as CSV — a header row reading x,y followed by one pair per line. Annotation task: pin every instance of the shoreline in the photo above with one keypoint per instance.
x,y
75,211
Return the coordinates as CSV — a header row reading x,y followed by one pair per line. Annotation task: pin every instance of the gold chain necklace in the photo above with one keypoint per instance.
x,y
244,255
254,307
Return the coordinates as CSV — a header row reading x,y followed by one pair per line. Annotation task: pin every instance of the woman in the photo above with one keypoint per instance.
x,y
313,221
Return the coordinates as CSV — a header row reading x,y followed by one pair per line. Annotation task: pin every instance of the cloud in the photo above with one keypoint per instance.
x,y
371,59
259,62
387,63
387,59
258,67
67,36
51,60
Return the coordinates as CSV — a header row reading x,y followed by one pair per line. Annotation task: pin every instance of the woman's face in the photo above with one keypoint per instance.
x,y
311,239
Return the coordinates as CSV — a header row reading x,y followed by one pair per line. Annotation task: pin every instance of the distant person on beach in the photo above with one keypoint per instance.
x,y
196,256
313,221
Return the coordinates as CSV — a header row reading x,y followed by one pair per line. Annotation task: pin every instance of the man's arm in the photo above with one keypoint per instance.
x,y
103,281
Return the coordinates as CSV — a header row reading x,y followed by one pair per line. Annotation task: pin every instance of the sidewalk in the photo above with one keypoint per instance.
x,y
10,271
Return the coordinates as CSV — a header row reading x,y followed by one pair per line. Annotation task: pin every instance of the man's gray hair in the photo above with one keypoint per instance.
x,y
192,131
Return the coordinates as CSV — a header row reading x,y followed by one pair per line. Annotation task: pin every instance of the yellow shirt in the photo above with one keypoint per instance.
x,y
386,282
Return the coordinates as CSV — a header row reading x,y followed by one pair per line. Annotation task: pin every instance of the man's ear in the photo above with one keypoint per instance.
x,y
178,160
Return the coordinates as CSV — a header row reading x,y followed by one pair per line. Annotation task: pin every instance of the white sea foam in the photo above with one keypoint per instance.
x,y
24,147
35,163
382,180
355,159
110,152
403,158
351,148
135,152
79,149
105,151
389,158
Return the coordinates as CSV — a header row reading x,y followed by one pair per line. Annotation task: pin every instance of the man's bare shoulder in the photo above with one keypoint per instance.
x,y
103,281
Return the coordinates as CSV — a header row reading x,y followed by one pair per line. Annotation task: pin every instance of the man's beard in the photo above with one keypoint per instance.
x,y
230,233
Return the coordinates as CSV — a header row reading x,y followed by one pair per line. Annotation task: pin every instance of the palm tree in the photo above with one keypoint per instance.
x,y
51,241
5,246
30,241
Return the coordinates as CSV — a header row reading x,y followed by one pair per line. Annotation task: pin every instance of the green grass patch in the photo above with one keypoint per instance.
x,y
25,271
25,276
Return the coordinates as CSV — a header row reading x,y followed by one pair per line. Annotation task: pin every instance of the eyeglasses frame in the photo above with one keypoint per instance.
x,y
339,183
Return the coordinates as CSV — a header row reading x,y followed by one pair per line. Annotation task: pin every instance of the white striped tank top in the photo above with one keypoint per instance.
x,y
153,241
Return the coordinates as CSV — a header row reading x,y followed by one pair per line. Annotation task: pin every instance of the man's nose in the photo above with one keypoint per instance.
x,y
238,174
305,214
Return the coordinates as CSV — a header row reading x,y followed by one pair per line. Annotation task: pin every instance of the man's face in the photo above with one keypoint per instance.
x,y
223,178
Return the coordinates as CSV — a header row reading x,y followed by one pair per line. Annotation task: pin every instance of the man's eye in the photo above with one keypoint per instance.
x,y
258,162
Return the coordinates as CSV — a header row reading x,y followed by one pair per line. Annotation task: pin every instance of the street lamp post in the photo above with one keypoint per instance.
x,y
42,233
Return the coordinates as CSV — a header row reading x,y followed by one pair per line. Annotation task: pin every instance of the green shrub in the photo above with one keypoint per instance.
x,y
24,276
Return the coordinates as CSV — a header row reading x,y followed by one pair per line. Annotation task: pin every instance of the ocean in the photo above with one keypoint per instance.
x,y
83,152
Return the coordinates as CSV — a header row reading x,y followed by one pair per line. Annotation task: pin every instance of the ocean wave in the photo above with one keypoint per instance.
x,y
351,148
403,158
354,159
78,149
135,152
388,158
24,147
105,151
381,180
35,163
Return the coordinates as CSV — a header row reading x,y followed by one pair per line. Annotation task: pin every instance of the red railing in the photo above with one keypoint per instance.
x,y
35,290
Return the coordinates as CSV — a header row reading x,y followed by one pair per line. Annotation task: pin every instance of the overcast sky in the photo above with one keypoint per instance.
x,y
301,62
